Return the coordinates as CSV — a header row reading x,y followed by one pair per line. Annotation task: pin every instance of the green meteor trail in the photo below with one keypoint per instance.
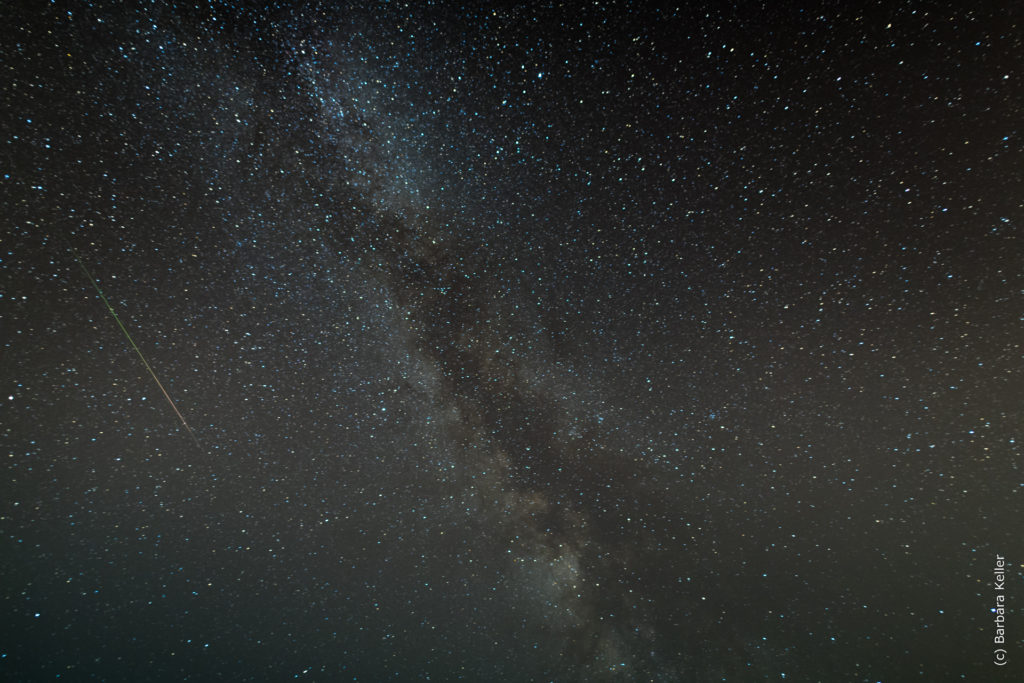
x,y
131,341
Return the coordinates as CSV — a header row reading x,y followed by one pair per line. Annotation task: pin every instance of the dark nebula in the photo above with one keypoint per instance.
x,y
553,343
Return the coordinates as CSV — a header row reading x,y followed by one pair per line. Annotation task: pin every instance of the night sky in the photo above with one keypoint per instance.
x,y
555,343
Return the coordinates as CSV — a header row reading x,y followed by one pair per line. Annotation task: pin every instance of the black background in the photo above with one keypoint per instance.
x,y
543,343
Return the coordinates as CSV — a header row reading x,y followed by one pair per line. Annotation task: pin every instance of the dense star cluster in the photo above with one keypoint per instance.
x,y
542,343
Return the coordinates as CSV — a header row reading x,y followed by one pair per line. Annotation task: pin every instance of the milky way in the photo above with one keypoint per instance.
x,y
539,344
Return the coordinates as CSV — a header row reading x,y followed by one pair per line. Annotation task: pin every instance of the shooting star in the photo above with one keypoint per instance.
x,y
131,341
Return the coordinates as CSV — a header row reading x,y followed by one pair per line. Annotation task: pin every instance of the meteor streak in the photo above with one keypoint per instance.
x,y
131,341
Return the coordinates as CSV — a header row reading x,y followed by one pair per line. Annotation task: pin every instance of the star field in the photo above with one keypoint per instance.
x,y
559,343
